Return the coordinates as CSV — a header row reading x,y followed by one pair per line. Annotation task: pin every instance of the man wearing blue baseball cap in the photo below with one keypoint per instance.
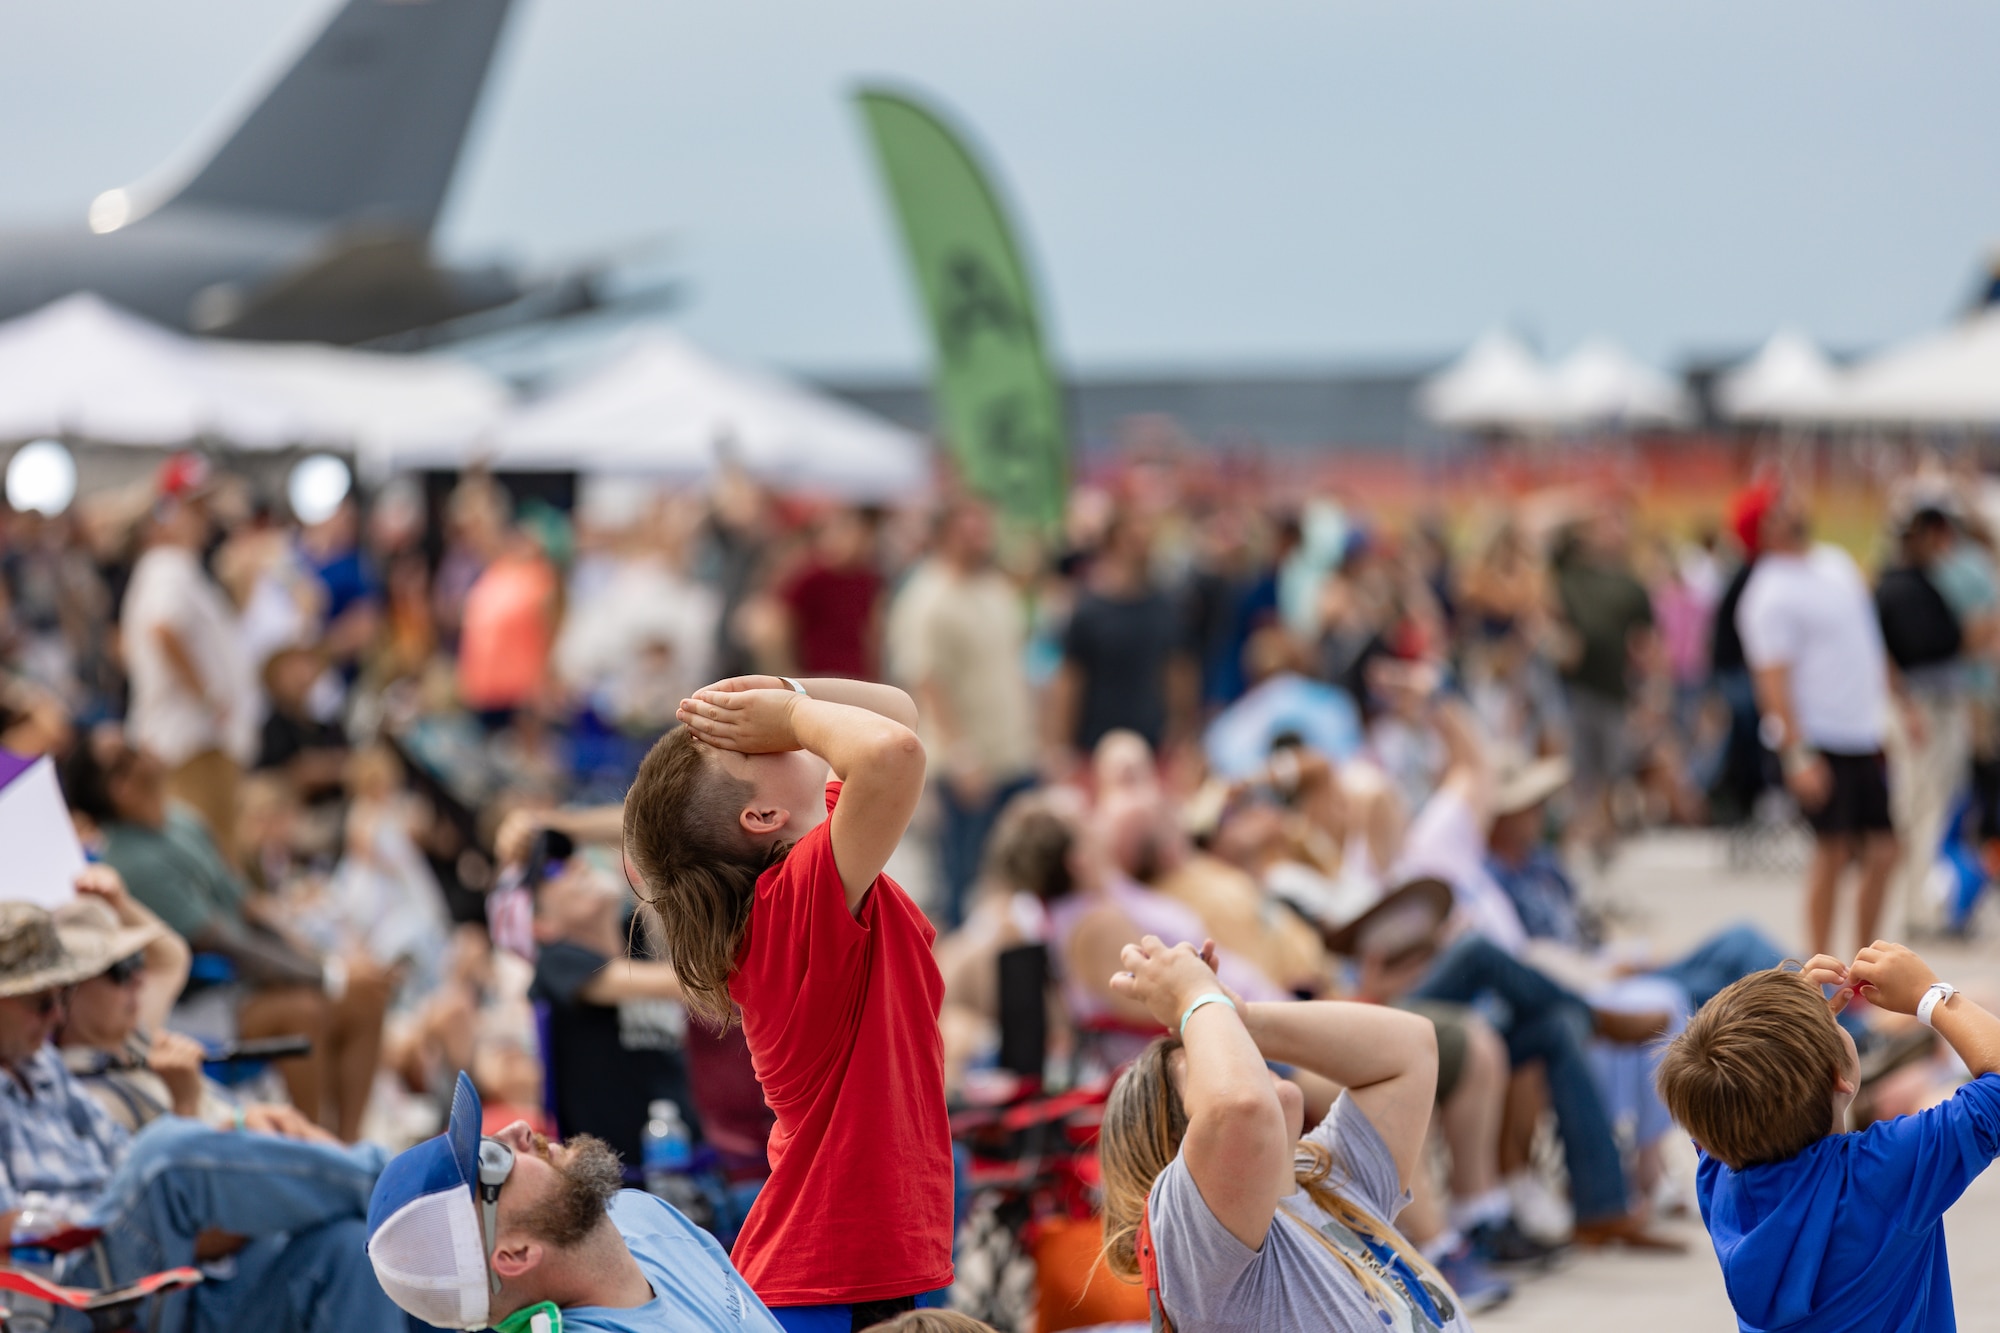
x,y
513,1232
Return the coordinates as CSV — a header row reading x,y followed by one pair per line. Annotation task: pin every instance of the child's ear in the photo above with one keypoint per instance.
x,y
759,821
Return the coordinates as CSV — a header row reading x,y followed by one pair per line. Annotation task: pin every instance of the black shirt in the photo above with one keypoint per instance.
x,y
1121,649
1919,627
607,1063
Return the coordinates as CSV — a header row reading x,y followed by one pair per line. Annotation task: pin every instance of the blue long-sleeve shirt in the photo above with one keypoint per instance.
x,y
1849,1234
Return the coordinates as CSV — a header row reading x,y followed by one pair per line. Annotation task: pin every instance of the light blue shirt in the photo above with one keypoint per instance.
x,y
694,1287
54,1137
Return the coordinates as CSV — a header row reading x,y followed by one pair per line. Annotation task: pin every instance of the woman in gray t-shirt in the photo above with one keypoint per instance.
x,y
1254,1224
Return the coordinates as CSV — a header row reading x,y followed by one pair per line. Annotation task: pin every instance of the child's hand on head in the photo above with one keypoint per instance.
x,y
749,721
1891,976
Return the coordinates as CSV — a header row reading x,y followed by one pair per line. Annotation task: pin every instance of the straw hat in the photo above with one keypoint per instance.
x,y
95,938
1520,783
32,956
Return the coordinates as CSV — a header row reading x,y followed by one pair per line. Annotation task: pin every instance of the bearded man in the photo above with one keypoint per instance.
x,y
515,1232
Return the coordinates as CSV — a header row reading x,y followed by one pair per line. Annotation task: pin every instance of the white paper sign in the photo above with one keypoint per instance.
x,y
40,857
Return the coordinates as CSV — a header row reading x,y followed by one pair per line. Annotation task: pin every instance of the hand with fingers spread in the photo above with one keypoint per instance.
x,y
1825,970
749,721
1891,976
1165,980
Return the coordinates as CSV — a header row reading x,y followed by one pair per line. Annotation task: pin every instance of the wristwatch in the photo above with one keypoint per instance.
x,y
1939,993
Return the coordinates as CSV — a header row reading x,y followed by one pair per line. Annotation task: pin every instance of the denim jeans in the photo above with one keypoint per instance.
x,y
1548,1023
962,842
304,1207
1729,957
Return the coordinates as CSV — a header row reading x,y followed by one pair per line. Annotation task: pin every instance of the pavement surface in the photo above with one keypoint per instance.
x,y
1672,890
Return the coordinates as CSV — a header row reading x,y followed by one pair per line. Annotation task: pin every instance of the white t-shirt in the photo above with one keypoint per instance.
x,y
1447,841
169,587
1813,614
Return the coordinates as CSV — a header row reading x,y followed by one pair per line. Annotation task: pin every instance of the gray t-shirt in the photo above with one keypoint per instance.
x,y
1210,1282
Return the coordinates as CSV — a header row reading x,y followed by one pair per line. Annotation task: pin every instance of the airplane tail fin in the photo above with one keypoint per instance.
x,y
367,124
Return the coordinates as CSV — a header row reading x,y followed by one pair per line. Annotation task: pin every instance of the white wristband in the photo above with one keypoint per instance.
x,y
796,687
1938,994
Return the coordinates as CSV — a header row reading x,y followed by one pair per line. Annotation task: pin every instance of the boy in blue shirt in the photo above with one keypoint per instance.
x,y
1821,1231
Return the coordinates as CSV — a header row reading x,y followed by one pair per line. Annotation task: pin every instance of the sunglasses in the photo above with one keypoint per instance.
x,y
496,1163
41,1004
124,970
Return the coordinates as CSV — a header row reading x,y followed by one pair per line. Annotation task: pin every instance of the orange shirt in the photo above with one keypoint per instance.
x,y
506,634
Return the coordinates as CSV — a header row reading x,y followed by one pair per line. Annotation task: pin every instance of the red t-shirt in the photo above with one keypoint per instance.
x,y
841,1015
832,613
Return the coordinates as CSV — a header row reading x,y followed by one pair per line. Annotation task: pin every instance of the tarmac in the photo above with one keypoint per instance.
x,y
1672,890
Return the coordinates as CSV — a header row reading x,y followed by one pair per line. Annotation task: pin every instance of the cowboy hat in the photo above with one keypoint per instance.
x,y
1355,919
1520,783
32,956
96,939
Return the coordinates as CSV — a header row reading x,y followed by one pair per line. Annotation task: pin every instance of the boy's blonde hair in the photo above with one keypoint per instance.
x,y
1751,1077
697,867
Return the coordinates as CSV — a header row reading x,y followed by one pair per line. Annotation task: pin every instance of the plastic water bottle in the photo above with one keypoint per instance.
x,y
667,1150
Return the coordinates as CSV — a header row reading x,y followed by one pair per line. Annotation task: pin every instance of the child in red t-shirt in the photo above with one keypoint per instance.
x,y
767,880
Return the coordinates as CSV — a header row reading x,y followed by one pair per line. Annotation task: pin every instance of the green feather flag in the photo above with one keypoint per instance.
x,y
998,403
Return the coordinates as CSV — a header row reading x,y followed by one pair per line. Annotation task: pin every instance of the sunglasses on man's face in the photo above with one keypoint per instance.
x,y
41,1004
125,970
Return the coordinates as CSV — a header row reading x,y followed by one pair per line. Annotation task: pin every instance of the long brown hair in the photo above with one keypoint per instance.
x,y
698,866
1144,1123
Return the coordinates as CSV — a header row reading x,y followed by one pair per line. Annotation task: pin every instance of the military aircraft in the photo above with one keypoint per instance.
x,y
312,219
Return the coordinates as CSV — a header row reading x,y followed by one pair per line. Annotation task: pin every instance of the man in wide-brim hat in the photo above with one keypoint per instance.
x,y
292,1214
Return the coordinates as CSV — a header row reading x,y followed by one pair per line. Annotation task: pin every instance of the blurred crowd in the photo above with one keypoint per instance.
x,y
358,783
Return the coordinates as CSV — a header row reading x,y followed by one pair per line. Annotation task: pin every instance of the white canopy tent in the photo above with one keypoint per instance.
x,y
1790,379
1600,384
374,403
1501,385
83,369
666,410
1497,384
1947,378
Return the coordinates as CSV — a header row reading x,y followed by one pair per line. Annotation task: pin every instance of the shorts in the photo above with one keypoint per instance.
x,y
1450,1021
1599,753
1859,799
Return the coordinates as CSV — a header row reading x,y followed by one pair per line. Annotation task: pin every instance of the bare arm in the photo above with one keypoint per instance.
x,y
260,960
867,744
180,661
1065,699
1385,1058
167,957
1238,1147
632,979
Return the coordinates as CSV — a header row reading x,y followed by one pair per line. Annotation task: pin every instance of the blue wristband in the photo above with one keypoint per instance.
x,y
1213,997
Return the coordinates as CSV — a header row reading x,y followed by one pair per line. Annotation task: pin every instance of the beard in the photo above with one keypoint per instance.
x,y
588,1177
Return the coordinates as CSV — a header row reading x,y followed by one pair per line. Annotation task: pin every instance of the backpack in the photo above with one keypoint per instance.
x,y
1919,628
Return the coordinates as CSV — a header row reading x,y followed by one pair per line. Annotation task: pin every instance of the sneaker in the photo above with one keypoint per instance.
x,y
1504,1242
1538,1210
1478,1290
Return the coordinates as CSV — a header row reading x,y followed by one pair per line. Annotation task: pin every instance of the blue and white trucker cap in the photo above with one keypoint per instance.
x,y
423,1223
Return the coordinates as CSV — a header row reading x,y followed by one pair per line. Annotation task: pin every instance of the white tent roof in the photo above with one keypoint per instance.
x,y
667,409
1497,383
375,403
1788,379
1600,383
84,369
1947,378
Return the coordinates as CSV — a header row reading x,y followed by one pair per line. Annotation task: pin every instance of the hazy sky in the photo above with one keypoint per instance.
x,y
1226,183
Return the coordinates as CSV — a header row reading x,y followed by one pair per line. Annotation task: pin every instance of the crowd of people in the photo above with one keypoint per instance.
x,y
1274,827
